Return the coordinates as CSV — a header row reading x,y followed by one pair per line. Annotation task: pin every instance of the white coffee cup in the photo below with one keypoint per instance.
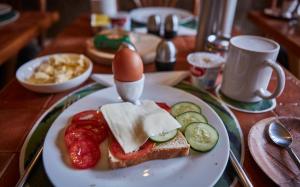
x,y
249,67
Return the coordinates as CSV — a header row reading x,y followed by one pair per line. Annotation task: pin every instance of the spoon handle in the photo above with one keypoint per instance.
x,y
239,170
294,156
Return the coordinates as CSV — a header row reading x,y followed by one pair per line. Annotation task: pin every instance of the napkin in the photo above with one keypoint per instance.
x,y
182,31
164,78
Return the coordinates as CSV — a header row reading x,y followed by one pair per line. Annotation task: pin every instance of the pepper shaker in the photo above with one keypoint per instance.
x,y
154,24
165,56
171,26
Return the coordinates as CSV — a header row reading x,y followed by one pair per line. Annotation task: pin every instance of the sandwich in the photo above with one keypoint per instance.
x,y
137,133
176,147
142,133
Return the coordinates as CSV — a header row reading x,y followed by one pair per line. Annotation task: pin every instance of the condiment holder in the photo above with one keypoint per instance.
x,y
165,56
167,28
171,26
154,24
130,91
128,73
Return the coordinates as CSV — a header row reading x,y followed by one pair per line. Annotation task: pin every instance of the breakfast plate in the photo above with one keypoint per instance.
x,y
197,169
141,15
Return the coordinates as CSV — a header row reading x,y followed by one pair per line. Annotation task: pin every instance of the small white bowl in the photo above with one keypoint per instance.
x,y
27,69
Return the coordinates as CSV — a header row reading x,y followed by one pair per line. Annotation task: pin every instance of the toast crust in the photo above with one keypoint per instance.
x,y
176,147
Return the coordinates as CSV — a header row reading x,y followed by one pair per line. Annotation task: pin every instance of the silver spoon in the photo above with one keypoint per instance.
x,y
282,137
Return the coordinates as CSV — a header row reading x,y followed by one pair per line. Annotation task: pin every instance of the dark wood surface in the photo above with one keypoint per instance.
x,y
283,31
28,26
20,108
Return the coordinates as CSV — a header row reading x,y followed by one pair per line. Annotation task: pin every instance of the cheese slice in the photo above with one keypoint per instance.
x,y
133,124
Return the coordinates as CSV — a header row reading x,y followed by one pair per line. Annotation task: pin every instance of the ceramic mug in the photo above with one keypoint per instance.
x,y
248,69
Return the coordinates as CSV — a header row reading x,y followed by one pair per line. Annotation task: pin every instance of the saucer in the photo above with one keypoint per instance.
x,y
256,107
273,160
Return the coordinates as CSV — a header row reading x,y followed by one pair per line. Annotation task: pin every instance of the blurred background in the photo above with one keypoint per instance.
x,y
68,10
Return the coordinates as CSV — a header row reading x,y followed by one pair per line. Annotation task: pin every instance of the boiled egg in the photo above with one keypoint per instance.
x,y
127,66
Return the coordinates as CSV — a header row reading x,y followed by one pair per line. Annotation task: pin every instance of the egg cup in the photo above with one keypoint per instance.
x,y
130,91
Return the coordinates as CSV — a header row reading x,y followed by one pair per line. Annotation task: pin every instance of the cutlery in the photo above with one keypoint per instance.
x,y
70,100
282,137
239,170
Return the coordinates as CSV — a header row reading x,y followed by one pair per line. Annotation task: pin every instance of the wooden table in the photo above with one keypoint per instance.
x,y
18,34
284,32
20,108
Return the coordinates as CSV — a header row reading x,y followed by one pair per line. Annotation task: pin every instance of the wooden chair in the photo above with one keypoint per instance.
x,y
165,3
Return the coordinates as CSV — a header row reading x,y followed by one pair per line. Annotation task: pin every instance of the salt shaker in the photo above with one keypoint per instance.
x,y
171,26
154,24
165,56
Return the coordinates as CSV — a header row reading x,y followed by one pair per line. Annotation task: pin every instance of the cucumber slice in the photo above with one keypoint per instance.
x,y
165,136
190,117
201,136
183,107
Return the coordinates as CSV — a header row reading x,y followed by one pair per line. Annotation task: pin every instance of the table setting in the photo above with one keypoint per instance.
x,y
108,105
7,14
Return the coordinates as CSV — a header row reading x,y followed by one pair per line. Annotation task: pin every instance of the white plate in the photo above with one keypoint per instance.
x,y
141,15
11,19
4,8
27,69
197,169
145,44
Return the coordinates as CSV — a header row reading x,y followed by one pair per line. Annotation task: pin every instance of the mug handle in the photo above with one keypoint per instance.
x,y
280,81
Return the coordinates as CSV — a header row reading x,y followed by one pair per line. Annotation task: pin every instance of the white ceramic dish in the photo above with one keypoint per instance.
x,y
145,44
130,91
4,8
141,15
11,19
197,169
27,69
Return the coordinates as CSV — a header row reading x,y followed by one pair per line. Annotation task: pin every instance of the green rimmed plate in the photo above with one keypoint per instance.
x,y
38,176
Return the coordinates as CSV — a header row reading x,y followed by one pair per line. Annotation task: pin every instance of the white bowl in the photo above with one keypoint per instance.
x,y
27,69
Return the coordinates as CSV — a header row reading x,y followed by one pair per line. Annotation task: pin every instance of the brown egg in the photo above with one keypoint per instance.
x,y
127,66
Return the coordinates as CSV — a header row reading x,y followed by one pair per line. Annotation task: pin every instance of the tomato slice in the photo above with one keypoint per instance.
x,y
84,154
164,106
79,134
118,152
87,115
94,122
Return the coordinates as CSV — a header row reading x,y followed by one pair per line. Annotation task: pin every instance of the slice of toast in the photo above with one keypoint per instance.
x,y
176,147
